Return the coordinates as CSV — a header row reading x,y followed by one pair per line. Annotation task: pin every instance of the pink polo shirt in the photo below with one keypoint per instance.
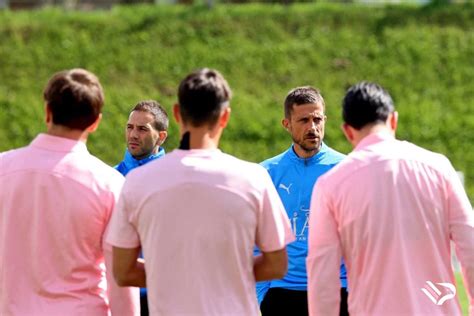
x,y
55,204
197,215
390,209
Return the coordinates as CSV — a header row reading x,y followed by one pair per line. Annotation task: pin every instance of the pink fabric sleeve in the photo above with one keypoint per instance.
x,y
273,226
324,257
122,233
461,229
122,300
110,199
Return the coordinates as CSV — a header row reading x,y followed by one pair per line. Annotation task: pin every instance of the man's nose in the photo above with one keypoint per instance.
x,y
133,133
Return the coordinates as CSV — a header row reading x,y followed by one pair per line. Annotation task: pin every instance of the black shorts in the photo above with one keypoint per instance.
x,y
143,305
279,301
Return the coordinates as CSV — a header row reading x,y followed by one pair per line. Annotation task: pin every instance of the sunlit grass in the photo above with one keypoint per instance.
x,y
422,55
462,295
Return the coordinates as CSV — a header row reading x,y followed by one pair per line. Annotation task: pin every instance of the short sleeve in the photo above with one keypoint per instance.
x,y
273,227
324,255
121,231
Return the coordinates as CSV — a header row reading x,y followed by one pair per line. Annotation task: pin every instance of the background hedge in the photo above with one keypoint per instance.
x,y
422,54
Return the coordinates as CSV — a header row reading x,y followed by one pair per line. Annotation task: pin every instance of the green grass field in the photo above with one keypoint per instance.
x,y
422,55
462,295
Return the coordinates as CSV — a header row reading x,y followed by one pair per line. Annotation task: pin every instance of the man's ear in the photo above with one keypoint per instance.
x,y
225,117
348,132
176,113
93,127
285,123
161,137
48,116
393,121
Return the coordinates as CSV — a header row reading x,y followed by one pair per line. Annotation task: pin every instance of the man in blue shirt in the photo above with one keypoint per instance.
x,y
294,173
145,132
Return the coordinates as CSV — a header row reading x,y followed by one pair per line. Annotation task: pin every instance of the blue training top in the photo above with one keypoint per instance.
x,y
294,178
129,163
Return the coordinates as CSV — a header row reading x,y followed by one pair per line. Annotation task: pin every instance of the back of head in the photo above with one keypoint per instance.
x,y
161,121
202,95
300,96
366,103
75,98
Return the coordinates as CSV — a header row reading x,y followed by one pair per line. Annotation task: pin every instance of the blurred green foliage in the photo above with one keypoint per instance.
x,y
422,54
462,294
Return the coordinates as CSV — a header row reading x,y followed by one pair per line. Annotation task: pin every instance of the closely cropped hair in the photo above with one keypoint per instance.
x,y
161,121
202,95
300,96
75,98
366,103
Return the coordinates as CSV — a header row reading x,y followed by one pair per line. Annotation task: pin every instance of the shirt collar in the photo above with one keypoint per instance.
x,y
60,144
314,159
374,138
131,162
197,152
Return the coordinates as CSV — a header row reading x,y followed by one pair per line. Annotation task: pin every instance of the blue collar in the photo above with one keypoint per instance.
x,y
131,162
311,160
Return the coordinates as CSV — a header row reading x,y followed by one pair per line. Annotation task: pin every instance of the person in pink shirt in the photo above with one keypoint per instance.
x,y
56,200
197,214
391,210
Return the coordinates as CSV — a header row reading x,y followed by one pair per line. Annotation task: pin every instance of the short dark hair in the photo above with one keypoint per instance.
x,y
202,95
75,98
366,103
300,96
161,121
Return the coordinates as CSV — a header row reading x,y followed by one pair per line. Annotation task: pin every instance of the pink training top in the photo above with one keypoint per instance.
x,y
197,215
55,203
390,209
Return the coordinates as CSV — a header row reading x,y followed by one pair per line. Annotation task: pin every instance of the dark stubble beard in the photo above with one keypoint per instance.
x,y
313,149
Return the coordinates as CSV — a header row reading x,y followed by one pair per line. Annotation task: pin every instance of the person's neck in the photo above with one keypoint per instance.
x,y
154,152
203,137
66,132
300,152
372,129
